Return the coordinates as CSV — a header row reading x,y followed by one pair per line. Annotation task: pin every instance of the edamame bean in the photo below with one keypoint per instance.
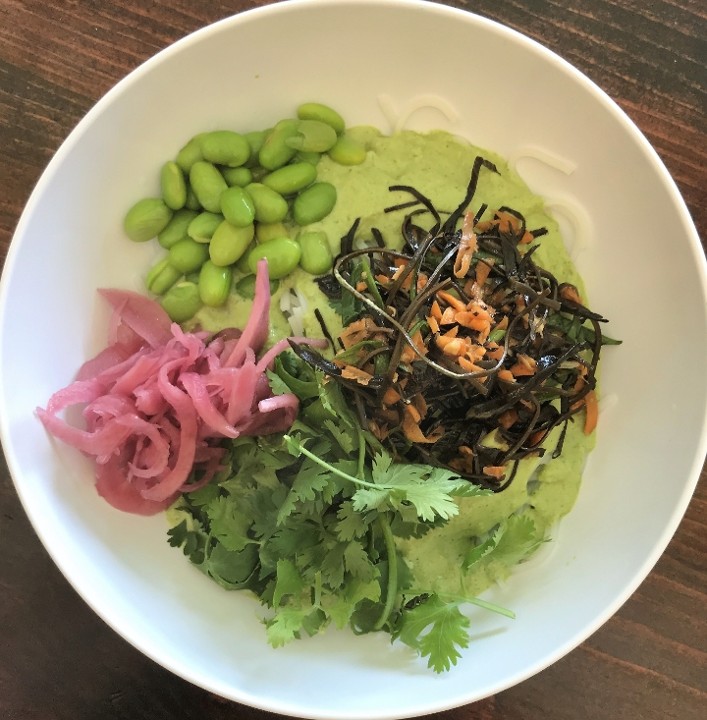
x,y
282,254
189,154
181,301
239,176
214,284
347,151
270,207
225,147
291,178
176,228
270,231
229,243
255,140
312,158
188,255
275,151
146,218
173,185
237,206
161,277
313,136
208,184
314,203
322,113
203,226
317,257
192,201
242,264
245,287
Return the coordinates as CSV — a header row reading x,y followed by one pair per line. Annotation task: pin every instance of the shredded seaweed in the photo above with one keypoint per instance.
x,y
459,350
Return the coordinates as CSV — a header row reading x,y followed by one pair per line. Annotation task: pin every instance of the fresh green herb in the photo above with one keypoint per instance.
x,y
309,522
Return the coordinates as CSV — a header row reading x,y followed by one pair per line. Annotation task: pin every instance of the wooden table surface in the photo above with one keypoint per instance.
x,y
58,659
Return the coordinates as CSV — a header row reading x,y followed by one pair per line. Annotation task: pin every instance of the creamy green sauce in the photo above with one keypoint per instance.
x,y
438,165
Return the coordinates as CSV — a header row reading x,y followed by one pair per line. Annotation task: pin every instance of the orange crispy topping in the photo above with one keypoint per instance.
x,y
467,365
351,372
474,319
496,471
592,409
570,292
412,431
408,354
508,418
451,300
391,396
524,366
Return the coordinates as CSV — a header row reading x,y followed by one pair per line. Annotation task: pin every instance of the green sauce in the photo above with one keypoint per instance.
x,y
439,165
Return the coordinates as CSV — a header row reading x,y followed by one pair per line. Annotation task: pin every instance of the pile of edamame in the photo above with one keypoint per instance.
x,y
229,199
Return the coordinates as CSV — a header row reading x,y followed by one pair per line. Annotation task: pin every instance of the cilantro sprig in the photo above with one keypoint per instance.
x,y
310,521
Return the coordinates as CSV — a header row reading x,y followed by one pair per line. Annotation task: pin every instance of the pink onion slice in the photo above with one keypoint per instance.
x,y
158,401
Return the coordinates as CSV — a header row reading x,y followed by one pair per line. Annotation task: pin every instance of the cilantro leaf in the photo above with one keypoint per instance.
x,y
436,629
287,624
231,569
289,581
510,543
228,522
429,490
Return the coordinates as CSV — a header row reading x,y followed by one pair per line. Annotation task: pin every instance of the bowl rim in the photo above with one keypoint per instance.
x,y
293,6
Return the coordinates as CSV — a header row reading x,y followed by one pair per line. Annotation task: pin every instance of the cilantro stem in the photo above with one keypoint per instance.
x,y
361,451
485,604
392,589
327,466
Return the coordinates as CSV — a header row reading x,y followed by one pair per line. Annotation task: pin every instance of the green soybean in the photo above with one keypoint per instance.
x,y
270,206
291,178
283,256
229,243
255,140
245,287
322,113
313,136
192,202
181,301
203,226
312,158
317,257
347,151
270,231
146,219
173,185
214,284
188,255
161,277
239,176
275,152
208,184
225,147
237,206
242,264
176,228
189,154
314,203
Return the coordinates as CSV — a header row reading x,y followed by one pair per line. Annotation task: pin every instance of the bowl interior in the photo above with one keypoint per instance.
x,y
616,203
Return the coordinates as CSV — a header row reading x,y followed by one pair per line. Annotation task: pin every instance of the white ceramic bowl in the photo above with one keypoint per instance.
x,y
615,199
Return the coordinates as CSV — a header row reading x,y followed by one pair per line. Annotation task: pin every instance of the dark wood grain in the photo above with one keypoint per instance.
x,y
57,659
